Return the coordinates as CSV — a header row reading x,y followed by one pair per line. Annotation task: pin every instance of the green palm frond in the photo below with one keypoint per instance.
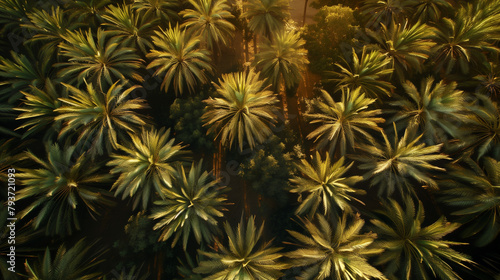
x,y
164,10
128,24
323,182
50,27
408,46
22,72
474,195
62,187
242,258
412,251
436,109
88,11
282,59
334,250
147,165
386,11
343,124
180,59
78,262
101,120
193,204
38,109
266,17
366,72
483,127
210,21
430,10
488,81
103,61
463,41
244,111
395,166
14,12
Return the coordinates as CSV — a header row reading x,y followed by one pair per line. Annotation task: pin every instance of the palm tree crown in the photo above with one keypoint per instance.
x,y
342,123
147,166
242,259
324,182
192,204
181,59
101,119
266,17
335,253
244,111
392,166
209,20
282,59
412,251
61,187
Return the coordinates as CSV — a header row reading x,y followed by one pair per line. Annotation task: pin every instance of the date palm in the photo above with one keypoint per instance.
x,y
367,72
129,25
164,10
38,109
146,166
408,46
412,251
101,120
62,187
395,166
342,124
334,251
180,58
77,262
282,59
463,41
209,19
386,11
436,109
244,111
193,204
243,258
474,194
430,10
266,17
488,81
103,59
323,183
88,11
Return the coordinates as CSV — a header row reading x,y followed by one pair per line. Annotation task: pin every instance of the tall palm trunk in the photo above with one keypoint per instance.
x,y
305,10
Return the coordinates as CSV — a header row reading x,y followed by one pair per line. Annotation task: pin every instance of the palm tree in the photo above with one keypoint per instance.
x,y
77,262
463,42
367,73
13,12
245,110
488,81
266,17
342,123
324,183
282,59
88,11
483,127
338,253
50,28
101,120
412,251
386,11
164,10
209,20
475,196
184,63
436,110
430,10
394,166
147,166
242,259
103,62
38,109
192,204
407,46
128,24
61,188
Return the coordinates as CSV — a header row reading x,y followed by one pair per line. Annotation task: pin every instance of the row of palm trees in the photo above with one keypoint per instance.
x,y
397,114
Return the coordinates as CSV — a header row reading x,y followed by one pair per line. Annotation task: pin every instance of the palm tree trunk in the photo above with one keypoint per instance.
x,y
305,10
